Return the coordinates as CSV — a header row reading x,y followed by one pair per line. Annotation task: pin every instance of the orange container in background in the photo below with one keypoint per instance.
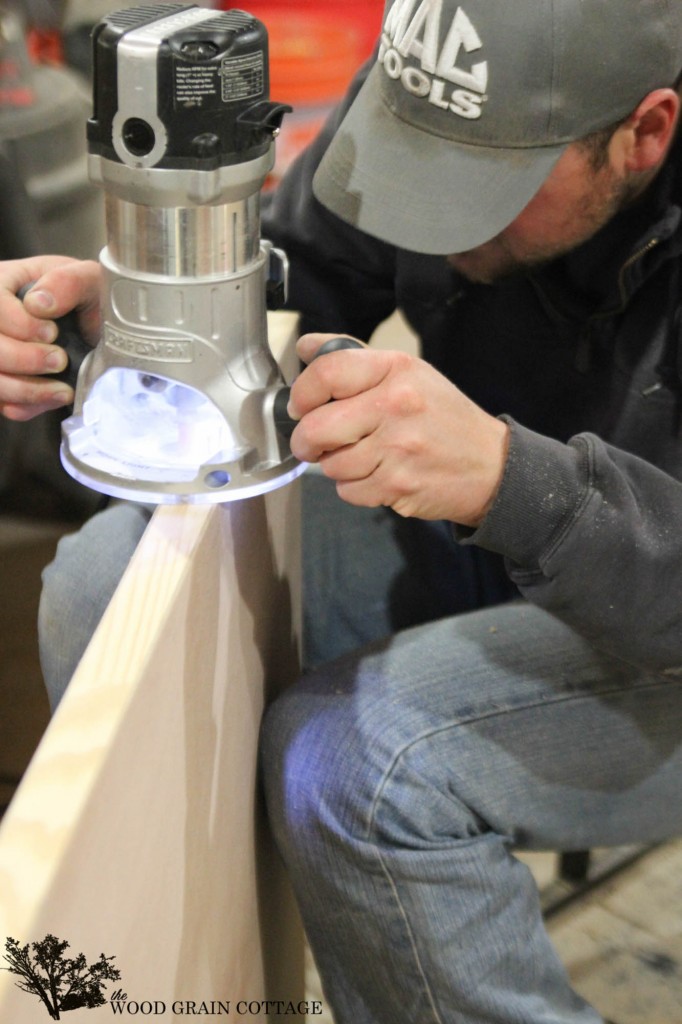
x,y
315,49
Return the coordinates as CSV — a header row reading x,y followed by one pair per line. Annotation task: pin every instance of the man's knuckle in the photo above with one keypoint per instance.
x,y
404,399
403,362
16,413
403,507
412,443
326,374
306,435
402,483
24,358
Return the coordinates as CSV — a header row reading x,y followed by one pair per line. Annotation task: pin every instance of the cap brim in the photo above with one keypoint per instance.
x,y
419,191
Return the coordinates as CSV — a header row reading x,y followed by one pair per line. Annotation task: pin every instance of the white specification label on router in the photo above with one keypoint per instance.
x,y
193,84
243,77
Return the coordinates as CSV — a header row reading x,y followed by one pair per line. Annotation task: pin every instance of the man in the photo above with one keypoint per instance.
x,y
510,176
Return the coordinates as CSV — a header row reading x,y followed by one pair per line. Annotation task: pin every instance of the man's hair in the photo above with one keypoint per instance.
x,y
596,144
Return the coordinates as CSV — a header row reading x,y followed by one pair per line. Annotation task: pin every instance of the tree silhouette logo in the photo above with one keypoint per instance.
x,y
60,982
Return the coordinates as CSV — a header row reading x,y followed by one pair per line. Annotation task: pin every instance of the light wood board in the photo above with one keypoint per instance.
x,y
138,830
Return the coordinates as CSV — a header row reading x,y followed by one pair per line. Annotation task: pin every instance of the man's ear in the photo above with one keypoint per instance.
x,y
643,140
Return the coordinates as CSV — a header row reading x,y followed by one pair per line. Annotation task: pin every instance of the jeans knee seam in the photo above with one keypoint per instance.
x,y
371,838
372,827
413,946
486,716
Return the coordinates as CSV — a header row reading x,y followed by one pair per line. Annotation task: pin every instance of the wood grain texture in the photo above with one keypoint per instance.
x,y
138,829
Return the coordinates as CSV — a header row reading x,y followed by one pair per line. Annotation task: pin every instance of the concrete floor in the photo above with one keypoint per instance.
x,y
622,942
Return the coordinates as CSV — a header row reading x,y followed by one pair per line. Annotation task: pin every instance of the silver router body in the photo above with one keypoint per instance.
x,y
175,403
183,302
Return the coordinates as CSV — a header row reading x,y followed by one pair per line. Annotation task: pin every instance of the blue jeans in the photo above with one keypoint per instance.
x,y
78,585
400,776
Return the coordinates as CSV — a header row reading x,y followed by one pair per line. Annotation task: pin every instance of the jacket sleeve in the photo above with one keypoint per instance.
x,y
593,535
340,279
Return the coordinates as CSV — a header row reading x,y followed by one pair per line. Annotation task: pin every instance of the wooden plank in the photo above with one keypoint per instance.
x,y
138,830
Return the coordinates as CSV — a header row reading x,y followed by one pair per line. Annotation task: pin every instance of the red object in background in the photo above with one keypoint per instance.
x,y
315,49
315,46
16,85
313,56
364,16
45,46
16,66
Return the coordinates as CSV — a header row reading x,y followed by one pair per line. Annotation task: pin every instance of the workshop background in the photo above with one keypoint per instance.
x,y
618,928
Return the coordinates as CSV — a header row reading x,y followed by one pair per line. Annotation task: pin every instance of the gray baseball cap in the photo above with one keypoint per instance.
x,y
471,103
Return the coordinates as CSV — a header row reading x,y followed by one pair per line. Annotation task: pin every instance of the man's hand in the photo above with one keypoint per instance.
x,y
397,434
27,329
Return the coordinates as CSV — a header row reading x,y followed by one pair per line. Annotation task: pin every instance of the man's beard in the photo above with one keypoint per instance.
x,y
506,257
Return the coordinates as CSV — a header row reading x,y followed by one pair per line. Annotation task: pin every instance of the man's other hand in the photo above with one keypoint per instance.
x,y
28,330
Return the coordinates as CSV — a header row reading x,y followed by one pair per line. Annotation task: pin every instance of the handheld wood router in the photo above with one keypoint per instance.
x,y
176,402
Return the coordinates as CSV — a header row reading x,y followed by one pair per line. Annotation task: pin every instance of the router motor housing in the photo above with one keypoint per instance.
x,y
176,401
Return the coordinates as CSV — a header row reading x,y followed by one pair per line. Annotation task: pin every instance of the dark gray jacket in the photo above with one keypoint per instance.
x,y
584,358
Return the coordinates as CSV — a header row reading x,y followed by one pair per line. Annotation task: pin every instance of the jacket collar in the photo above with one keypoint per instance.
x,y
599,278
